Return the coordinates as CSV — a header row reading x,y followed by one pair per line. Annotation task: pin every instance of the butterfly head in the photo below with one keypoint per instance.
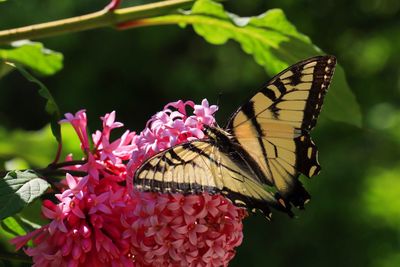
x,y
216,133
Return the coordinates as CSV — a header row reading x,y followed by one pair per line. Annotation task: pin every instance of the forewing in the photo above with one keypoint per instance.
x,y
273,126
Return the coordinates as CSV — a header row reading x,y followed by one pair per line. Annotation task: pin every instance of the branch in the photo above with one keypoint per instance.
x,y
103,18
61,172
66,164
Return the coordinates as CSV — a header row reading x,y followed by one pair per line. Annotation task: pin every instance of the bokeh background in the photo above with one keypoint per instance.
x,y
354,216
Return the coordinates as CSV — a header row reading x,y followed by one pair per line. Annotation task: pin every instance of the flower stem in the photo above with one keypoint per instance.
x,y
113,5
58,154
103,18
66,164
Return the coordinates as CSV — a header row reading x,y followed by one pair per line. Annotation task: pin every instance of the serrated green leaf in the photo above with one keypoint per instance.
x,y
33,55
272,40
51,105
18,189
276,44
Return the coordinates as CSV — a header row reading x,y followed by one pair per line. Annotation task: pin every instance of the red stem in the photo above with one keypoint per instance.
x,y
58,154
113,5
128,24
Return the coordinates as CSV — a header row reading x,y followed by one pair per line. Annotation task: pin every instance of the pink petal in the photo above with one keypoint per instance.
x,y
62,227
78,212
200,228
70,180
175,256
193,238
102,197
104,208
48,213
76,252
188,209
161,251
181,230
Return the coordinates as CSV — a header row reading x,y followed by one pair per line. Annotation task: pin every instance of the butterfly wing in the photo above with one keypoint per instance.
x,y
273,126
203,166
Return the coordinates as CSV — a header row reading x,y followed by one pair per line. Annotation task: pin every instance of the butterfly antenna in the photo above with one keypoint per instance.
x,y
218,103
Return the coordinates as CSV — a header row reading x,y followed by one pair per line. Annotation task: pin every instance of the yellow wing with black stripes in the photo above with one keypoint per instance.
x,y
201,166
273,126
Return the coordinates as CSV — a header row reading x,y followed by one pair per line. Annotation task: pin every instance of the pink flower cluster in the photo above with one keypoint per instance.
x,y
99,220
172,126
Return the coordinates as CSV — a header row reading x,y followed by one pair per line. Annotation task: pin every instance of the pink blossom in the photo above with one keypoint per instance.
x,y
121,148
169,127
96,203
21,241
172,229
100,221
75,186
85,227
109,123
74,204
79,122
205,113
161,235
57,213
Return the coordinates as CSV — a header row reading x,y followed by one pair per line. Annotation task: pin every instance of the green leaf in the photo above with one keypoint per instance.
x,y
51,105
340,102
18,189
272,40
17,226
34,56
12,226
275,44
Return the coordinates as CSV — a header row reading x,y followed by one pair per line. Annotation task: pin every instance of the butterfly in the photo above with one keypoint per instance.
x,y
255,161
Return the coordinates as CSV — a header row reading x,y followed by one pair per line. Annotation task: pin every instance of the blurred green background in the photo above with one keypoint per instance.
x,y
354,216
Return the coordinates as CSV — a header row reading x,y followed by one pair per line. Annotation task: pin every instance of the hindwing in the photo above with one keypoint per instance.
x,y
201,166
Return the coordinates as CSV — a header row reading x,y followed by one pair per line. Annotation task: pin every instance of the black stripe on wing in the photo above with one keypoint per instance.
x,y
257,198
306,156
289,81
323,73
252,204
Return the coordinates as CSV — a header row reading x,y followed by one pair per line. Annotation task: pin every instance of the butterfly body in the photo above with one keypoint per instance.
x,y
227,143
255,161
